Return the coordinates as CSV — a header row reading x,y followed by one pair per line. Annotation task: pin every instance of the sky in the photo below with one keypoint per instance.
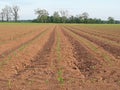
x,y
96,8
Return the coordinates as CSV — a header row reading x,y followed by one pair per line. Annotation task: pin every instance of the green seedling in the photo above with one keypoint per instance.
x,y
60,73
47,81
30,82
93,80
2,63
9,57
93,67
15,53
9,84
107,59
3,55
60,78
23,47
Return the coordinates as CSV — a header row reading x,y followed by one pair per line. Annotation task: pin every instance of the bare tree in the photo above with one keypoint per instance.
x,y
2,15
14,11
7,12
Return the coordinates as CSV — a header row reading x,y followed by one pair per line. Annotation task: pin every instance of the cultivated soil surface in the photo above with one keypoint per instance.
x,y
59,57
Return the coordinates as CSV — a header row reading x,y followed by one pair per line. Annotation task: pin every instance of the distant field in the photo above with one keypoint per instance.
x,y
37,56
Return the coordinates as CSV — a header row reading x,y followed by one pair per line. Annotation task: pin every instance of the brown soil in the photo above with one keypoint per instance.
x,y
100,34
95,71
7,52
54,59
86,61
16,43
114,49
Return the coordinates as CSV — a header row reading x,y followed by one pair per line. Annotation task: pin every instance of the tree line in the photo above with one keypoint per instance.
x,y
9,13
62,16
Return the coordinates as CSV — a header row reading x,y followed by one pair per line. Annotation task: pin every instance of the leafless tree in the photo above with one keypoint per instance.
x,y
14,11
2,15
7,12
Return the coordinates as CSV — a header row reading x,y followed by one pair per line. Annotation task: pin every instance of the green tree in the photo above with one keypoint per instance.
x,y
111,20
56,17
42,15
85,16
64,14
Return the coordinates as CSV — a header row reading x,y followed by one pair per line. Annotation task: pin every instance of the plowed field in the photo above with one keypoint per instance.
x,y
59,57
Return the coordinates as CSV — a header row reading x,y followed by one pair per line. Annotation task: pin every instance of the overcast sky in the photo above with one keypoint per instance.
x,y
96,8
